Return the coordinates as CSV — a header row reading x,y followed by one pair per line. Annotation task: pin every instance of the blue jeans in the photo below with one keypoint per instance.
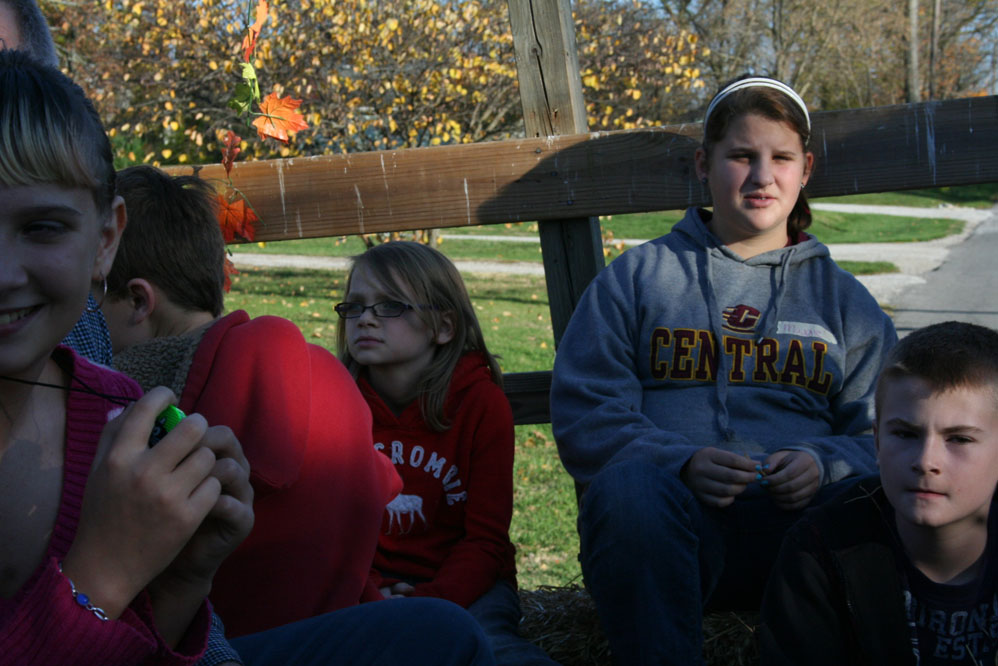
x,y
498,612
654,557
382,633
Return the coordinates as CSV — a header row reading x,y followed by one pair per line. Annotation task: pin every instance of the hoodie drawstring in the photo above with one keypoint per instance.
x,y
769,326
721,382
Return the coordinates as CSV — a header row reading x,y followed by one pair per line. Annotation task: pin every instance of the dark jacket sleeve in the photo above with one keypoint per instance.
x,y
802,622
834,595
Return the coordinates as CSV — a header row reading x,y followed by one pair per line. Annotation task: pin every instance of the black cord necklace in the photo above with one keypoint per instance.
x,y
124,401
164,423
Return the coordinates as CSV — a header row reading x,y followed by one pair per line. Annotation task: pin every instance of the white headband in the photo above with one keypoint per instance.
x,y
760,82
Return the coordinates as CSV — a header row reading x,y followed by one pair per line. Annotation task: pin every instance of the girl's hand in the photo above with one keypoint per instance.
x,y
716,476
141,505
400,589
793,478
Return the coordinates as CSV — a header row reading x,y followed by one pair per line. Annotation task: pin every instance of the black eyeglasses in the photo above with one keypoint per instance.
x,y
383,309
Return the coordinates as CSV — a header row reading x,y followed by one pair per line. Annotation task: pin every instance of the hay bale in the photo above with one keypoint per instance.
x,y
563,621
729,639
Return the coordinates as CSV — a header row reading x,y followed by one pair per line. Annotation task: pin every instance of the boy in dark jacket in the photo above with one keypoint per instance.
x,y
901,568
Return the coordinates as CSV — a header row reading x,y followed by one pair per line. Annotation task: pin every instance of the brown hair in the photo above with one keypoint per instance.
x,y
771,104
172,239
948,355
407,271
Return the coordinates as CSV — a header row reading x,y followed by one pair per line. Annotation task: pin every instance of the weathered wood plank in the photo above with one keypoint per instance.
x,y
528,396
547,67
551,95
863,150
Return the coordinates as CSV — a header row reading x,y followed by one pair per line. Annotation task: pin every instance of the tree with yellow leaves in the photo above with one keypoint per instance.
x,y
372,74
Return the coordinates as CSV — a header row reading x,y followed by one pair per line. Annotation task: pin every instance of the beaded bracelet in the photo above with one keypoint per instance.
x,y
83,599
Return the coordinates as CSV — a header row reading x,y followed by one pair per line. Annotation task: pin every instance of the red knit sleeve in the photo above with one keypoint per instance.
x,y
485,554
43,624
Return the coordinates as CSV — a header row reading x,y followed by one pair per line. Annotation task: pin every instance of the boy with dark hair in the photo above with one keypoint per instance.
x,y
172,236
901,568
173,263
320,486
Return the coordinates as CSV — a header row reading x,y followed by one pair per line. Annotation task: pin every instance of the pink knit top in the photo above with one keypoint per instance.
x,y
42,623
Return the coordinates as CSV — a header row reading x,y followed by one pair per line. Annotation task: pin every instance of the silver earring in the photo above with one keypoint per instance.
x,y
102,296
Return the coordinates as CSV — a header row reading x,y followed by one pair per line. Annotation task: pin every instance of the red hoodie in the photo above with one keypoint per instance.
x,y
448,532
318,490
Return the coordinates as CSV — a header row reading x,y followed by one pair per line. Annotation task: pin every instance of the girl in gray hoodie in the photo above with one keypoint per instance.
x,y
711,384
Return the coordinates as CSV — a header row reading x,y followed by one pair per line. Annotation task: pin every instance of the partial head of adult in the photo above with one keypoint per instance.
x,y
60,217
23,27
765,98
417,274
171,261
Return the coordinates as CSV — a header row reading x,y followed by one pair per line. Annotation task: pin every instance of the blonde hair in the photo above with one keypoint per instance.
x,y
49,131
413,272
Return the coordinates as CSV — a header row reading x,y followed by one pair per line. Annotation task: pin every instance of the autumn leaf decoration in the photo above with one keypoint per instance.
x,y
235,215
278,118
253,31
229,269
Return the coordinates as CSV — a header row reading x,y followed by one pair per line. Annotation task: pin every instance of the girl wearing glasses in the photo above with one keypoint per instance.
x,y
409,335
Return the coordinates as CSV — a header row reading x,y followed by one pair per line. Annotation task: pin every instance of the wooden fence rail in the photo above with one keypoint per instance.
x,y
865,150
879,149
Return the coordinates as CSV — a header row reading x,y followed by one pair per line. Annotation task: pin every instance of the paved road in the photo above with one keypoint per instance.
x,y
964,286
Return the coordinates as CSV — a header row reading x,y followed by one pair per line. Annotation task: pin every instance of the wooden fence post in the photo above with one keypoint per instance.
x,y
551,95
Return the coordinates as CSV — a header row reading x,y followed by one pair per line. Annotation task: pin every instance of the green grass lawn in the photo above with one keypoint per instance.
x,y
829,227
974,196
515,318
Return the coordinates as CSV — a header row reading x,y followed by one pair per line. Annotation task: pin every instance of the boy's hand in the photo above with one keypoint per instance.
x,y
793,478
716,476
141,505
230,519
400,589
187,580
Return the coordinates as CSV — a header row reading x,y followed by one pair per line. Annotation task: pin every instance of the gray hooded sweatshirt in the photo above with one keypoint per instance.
x,y
680,344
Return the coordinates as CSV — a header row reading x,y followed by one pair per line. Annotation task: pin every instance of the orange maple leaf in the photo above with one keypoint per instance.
x,y
279,117
249,224
236,219
230,150
229,269
249,41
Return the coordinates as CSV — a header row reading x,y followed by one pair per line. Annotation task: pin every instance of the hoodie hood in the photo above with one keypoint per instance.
x,y
471,369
